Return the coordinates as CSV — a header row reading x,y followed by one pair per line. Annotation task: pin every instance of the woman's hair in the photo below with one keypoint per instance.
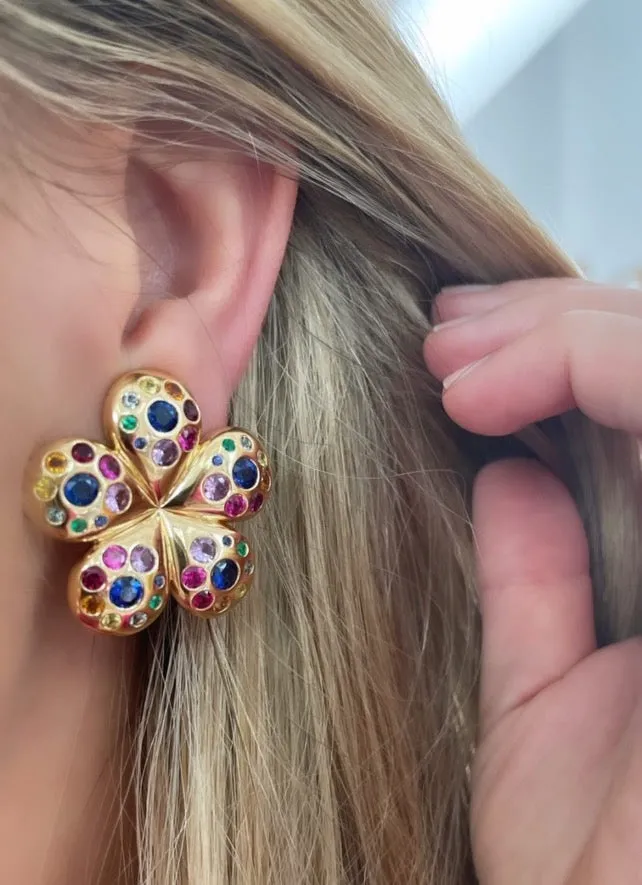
x,y
323,731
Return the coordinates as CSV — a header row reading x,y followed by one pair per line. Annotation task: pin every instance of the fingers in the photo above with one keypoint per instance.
x,y
535,590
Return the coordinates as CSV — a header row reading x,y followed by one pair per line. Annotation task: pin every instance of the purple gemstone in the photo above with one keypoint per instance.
x,y
82,453
256,503
118,498
215,486
235,506
109,467
93,579
193,577
142,559
187,438
190,410
203,550
115,557
165,453
202,601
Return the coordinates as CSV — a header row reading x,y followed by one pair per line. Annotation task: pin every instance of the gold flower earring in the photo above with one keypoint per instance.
x,y
156,502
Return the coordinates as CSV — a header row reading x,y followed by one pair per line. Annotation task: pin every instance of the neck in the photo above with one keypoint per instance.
x,y
63,708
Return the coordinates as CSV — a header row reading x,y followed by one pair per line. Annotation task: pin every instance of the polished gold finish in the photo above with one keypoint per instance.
x,y
156,503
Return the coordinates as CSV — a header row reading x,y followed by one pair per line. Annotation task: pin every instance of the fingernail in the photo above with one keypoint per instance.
x,y
438,327
453,378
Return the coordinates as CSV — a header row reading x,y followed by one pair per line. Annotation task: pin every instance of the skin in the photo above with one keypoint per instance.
x,y
557,781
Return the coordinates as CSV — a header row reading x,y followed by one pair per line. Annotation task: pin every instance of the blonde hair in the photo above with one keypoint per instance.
x,y
323,731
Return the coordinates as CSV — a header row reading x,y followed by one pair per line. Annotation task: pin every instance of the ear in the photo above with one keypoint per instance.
x,y
212,235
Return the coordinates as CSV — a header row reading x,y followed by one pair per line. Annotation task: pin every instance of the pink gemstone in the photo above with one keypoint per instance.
x,y
256,503
235,506
202,601
109,467
215,487
118,498
115,557
142,559
193,577
82,453
187,438
93,579
165,453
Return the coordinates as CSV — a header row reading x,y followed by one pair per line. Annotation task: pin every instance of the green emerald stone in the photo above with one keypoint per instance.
x,y
155,602
129,423
78,526
242,549
229,445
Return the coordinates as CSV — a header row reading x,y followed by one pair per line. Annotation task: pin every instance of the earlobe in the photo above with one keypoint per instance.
x,y
226,227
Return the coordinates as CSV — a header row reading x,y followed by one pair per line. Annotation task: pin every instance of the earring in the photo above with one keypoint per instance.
x,y
155,502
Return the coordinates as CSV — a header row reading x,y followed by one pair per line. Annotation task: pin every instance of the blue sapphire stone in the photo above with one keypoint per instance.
x,y
162,416
82,489
126,592
245,473
140,443
101,522
217,460
227,541
225,574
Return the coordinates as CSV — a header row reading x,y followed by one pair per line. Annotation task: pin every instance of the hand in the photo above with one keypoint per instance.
x,y
557,779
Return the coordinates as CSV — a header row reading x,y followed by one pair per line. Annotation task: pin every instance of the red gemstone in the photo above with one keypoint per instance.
x,y
93,579
82,453
109,467
187,438
202,601
235,506
193,577
256,503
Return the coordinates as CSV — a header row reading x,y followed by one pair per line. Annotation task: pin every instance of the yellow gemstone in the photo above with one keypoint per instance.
x,y
221,605
92,606
262,459
174,390
45,489
56,463
110,621
149,385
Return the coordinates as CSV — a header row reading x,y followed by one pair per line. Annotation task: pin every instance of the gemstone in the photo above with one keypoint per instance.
x,y
100,522
82,489
227,541
45,489
215,487
92,605
242,549
217,460
93,579
83,453
130,400
56,515
78,526
126,591
110,621
228,444
245,473
174,390
129,423
249,568
115,557
159,582
203,550
225,574
190,410
109,467
256,503
140,443
155,602
202,601
162,416
56,463
187,438
262,459
142,559
235,506
138,619
118,498
193,577
149,385
165,453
